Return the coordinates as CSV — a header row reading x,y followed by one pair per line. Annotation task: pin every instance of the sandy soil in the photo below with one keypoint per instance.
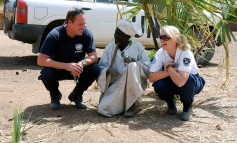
x,y
214,119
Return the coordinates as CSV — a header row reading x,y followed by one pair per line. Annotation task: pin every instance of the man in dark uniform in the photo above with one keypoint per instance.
x,y
69,52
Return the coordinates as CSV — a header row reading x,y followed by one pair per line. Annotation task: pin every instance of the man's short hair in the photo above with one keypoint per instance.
x,y
71,14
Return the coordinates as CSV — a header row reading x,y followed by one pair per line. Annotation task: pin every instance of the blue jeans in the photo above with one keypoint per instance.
x,y
166,88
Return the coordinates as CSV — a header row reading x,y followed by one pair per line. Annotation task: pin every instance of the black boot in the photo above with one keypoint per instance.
x,y
55,100
77,99
187,112
172,110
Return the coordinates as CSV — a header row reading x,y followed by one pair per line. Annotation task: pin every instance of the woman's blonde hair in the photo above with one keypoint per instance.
x,y
174,33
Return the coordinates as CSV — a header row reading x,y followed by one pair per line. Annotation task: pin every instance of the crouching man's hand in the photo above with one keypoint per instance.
x,y
128,60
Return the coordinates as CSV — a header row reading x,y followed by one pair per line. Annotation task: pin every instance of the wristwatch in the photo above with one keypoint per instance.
x,y
83,62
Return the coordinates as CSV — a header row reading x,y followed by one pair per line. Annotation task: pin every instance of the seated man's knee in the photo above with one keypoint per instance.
x,y
132,65
133,68
47,73
97,69
94,70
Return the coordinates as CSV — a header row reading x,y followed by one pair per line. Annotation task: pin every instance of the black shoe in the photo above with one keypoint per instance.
x,y
54,105
186,116
77,100
55,100
172,110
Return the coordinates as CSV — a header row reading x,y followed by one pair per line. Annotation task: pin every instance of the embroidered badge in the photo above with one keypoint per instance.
x,y
78,48
154,60
186,61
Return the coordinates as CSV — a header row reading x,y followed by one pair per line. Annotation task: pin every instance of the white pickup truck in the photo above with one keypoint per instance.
x,y
30,21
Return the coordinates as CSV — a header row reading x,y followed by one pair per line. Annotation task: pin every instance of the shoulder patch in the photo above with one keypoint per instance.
x,y
186,61
154,60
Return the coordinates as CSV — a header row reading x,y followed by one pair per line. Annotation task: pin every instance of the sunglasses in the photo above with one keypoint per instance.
x,y
165,37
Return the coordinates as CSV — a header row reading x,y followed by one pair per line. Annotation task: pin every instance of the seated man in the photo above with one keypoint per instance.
x,y
125,68
63,57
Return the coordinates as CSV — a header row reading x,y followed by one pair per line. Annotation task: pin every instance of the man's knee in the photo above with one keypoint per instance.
x,y
132,65
94,70
47,73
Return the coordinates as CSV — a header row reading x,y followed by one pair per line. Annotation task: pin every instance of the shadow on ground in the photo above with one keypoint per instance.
x,y
209,64
16,63
152,116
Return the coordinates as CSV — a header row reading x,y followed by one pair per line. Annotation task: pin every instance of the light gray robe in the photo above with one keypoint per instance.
x,y
131,83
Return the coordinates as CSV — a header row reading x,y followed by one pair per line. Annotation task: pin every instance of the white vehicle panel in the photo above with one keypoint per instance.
x,y
101,19
53,10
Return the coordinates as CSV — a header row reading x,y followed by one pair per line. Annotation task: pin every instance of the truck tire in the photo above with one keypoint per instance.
x,y
207,52
36,45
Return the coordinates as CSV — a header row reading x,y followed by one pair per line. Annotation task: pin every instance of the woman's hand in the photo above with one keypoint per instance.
x,y
170,64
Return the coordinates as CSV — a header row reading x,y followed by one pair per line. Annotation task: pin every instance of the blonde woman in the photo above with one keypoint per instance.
x,y
174,71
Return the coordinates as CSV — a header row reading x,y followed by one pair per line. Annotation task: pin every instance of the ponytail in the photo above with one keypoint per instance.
x,y
174,33
182,42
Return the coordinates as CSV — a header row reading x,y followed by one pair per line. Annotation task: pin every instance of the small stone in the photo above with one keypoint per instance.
x,y
59,116
218,126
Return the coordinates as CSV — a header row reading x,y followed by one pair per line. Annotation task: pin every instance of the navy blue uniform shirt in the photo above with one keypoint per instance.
x,y
60,47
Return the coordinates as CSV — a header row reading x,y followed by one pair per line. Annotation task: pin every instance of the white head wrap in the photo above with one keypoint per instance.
x,y
129,28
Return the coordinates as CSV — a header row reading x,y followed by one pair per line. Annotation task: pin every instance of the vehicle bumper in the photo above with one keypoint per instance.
x,y
26,33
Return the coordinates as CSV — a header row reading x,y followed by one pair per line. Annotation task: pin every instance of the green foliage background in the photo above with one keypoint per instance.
x,y
190,16
1,5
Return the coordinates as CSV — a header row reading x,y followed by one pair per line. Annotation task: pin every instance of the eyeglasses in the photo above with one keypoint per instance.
x,y
165,37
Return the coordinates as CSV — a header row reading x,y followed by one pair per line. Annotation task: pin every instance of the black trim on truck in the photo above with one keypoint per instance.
x,y
26,33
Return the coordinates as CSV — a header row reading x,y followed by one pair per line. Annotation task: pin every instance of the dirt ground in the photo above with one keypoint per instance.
x,y
214,120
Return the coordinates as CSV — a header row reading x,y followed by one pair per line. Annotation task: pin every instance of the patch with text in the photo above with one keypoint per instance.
x,y
186,61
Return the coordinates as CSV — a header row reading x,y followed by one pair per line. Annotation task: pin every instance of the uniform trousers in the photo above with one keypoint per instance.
x,y
51,77
166,89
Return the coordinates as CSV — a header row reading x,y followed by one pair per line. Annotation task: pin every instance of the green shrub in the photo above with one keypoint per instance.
x,y
1,2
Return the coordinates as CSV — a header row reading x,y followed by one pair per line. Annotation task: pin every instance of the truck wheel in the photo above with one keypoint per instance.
x,y
36,45
207,52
